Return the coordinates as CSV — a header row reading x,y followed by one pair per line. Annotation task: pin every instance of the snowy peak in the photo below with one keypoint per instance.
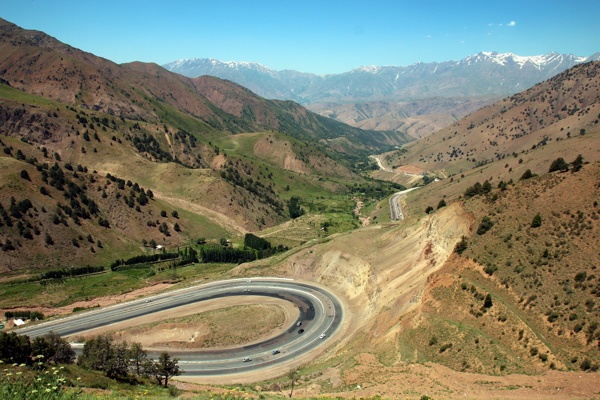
x,y
509,59
482,74
211,64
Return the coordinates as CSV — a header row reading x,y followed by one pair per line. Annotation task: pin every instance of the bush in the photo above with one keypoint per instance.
x,y
577,164
559,165
526,175
461,246
445,347
487,303
485,225
537,221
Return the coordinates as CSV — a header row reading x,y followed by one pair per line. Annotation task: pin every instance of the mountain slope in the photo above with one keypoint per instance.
x,y
558,110
227,161
39,64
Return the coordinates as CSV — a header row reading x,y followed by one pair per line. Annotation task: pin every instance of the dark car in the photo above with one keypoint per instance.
x,y
301,331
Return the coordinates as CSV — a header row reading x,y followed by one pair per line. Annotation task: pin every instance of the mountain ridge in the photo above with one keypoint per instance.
x,y
270,83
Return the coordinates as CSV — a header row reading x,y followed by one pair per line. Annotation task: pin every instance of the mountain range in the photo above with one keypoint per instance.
x,y
415,100
485,73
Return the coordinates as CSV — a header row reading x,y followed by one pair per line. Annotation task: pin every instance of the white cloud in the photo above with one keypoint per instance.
x,y
511,23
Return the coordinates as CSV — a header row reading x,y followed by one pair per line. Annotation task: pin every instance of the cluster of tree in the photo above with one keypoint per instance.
x,y
102,353
24,314
18,209
478,189
118,360
149,145
377,190
441,204
144,258
255,242
185,137
187,256
137,193
265,193
75,271
561,165
218,254
262,247
21,350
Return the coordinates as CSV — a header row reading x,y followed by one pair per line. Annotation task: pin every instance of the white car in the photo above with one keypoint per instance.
x,y
246,359
322,336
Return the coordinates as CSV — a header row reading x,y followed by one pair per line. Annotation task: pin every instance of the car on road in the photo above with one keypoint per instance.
x,y
275,352
301,331
246,359
298,323
322,336
246,290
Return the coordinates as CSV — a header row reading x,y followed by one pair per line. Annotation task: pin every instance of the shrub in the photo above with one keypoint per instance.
x,y
487,303
526,175
485,225
559,165
445,347
461,246
537,221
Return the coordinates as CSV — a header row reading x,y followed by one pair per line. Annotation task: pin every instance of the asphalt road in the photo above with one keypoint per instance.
x,y
395,208
319,310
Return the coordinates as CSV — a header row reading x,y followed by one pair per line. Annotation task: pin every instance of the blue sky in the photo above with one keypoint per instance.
x,y
312,36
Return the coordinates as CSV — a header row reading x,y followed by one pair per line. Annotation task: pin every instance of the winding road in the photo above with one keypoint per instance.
x,y
395,207
319,311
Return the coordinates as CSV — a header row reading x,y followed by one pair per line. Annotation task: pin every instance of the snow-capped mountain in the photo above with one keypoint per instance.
x,y
482,74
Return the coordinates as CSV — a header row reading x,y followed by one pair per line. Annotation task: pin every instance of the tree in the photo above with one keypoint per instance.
x,y
54,349
577,164
294,208
486,187
166,367
461,246
537,221
559,165
526,175
174,214
292,375
487,302
14,348
428,210
25,175
102,354
485,225
441,204
138,357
